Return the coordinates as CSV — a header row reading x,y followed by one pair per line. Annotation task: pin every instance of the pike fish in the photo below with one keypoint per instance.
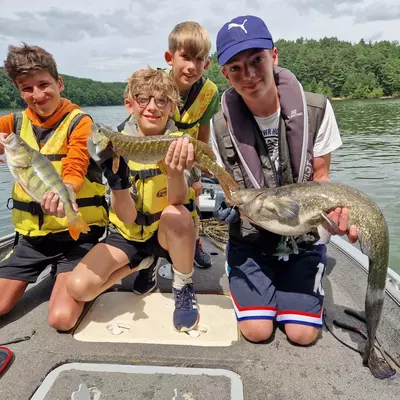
x,y
37,175
297,209
153,149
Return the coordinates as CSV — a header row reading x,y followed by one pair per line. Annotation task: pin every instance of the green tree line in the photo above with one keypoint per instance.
x,y
82,91
336,68
330,66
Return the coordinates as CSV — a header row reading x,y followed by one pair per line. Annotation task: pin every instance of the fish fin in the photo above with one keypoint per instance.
x,y
115,163
77,226
285,207
379,367
294,245
331,223
162,166
324,235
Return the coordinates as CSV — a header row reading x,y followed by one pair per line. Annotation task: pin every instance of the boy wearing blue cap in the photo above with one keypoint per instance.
x,y
271,133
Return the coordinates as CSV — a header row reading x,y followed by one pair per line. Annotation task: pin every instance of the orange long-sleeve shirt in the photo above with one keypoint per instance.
x,y
75,164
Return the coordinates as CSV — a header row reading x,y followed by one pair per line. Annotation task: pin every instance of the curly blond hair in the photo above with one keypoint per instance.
x,y
152,81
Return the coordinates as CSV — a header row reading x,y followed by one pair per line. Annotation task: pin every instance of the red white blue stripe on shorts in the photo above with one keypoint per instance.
x,y
246,313
302,318
282,317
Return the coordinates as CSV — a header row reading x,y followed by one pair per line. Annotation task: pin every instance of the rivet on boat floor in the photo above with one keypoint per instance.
x,y
81,381
122,317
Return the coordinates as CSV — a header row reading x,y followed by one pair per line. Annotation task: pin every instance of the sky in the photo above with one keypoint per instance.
x,y
109,40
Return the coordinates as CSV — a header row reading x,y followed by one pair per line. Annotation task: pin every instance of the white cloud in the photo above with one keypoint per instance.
x,y
107,41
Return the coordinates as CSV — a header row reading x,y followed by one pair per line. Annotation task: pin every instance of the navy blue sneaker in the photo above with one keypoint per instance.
x,y
201,258
186,314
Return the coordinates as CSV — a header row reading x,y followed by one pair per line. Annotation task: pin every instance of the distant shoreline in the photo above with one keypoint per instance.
x,y
378,98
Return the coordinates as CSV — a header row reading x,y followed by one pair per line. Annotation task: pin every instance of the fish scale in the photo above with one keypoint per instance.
x,y
153,149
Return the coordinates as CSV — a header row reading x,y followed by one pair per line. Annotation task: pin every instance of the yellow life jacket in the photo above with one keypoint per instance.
x,y
150,199
198,100
27,215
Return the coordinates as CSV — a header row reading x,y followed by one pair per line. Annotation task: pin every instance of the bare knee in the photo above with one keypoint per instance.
x,y
301,334
62,319
6,305
81,289
178,219
11,291
256,330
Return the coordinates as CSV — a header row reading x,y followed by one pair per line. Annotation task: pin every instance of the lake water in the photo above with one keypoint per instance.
x,y
368,159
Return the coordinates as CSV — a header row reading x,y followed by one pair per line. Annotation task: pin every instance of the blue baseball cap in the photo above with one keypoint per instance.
x,y
242,33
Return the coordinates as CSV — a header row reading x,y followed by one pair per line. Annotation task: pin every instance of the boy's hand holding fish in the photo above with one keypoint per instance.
x,y
52,205
340,216
180,156
104,159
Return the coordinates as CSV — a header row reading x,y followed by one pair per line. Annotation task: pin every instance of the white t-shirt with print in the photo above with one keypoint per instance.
x,y
269,127
327,140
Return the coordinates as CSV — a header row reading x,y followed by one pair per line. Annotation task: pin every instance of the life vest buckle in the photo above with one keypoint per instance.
x,y
8,203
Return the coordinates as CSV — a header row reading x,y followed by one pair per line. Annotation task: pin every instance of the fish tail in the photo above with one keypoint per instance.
x,y
374,300
379,367
77,226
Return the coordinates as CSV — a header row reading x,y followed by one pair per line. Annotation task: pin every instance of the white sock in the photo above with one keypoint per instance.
x,y
180,280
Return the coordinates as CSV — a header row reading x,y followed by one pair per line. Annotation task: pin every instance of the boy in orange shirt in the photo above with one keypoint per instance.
x,y
42,228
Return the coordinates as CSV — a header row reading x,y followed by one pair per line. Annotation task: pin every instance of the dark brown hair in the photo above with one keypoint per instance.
x,y
23,60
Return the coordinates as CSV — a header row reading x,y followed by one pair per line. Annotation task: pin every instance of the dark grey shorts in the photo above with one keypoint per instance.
x,y
32,255
265,287
136,251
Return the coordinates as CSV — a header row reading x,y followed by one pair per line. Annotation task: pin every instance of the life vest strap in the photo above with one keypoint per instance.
x,y
147,219
145,173
31,207
96,201
185,125
34,207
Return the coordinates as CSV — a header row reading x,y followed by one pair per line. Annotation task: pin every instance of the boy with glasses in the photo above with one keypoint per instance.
x,y
153,214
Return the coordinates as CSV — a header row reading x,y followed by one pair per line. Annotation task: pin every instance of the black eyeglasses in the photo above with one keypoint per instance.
x,y
143,101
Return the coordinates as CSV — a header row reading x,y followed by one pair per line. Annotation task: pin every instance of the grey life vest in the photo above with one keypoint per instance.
x,y
245,154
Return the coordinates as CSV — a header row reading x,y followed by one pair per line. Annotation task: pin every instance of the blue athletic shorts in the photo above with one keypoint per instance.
x,y
264,286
